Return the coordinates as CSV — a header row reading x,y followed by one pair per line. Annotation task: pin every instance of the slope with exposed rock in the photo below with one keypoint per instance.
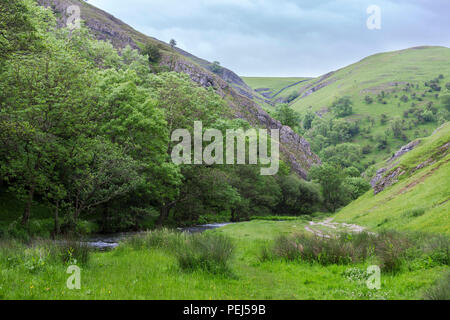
x,y
412,192
294,149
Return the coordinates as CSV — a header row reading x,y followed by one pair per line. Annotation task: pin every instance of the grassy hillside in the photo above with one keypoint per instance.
x,y
378,73
404,86
274,84
275,89
420,200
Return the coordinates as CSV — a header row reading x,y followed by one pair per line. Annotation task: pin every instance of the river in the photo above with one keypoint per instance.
x,y
104,242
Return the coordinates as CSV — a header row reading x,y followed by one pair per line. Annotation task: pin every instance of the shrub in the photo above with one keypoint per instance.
x,y
437,248
356,186
341,249
215,67
73,251
368,99
208,252
342,107
36,228
11,253
162,238
391,250
414,213
441,289
265,254
153,53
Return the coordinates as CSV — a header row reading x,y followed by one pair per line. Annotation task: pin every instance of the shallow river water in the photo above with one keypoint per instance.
x,y
105,242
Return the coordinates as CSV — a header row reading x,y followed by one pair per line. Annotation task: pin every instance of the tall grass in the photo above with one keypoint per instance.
x,y
209,252
73,251
341,249
41,253
441,289
390,249
161,238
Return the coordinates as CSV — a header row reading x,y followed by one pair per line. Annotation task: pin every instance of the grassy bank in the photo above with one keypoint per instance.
x,y
419,201
150,268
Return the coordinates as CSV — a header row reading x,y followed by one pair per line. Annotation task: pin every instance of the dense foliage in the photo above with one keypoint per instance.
x,y
85,130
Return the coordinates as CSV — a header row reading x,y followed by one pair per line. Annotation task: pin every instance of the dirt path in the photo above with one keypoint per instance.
x,y
327,227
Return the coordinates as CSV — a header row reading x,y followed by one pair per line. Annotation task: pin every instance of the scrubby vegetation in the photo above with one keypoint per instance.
x,y
441,290
391,250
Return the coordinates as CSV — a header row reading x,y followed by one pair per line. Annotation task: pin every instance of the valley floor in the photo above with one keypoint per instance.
x,y
127,273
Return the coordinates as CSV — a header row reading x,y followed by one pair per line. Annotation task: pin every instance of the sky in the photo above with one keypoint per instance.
x,y
287,38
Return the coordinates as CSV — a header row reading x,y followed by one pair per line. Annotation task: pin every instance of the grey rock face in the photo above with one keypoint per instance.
x,y
405,149
388,180
384,177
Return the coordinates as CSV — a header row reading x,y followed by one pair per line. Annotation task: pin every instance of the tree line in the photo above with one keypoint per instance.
x,y
85,129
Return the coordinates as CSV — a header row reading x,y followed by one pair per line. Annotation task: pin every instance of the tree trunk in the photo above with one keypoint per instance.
x,y
57,226
27,210
163,214
76,214
233,215
105,216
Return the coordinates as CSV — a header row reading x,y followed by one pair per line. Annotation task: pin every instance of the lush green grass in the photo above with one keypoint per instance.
x,y
152,271
419,201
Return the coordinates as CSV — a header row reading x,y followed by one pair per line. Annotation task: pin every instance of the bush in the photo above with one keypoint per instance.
x,y
368,99
391,250
414,213
162,238
342,107
86,227
437,248
36,228
356,186
215,67
11,253
152,52
441,289
208,252
342,249
73,251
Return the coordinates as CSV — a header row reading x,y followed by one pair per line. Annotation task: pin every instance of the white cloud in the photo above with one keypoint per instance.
x,y
285,37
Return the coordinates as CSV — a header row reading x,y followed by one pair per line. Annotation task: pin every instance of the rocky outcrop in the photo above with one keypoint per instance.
x,y
389,175
405,149
317,85
294,149
385,177
384,181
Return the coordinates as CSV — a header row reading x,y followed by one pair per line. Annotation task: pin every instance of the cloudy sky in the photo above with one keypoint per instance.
x,y
286,37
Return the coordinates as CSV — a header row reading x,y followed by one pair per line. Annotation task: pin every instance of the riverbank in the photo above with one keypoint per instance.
x,y
133,272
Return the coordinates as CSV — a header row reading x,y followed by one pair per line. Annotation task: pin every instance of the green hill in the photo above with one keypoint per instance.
x,y
420,200
396,97
276,90
388,72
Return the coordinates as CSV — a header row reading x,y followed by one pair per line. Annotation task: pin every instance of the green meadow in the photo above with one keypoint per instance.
x,y
143,271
